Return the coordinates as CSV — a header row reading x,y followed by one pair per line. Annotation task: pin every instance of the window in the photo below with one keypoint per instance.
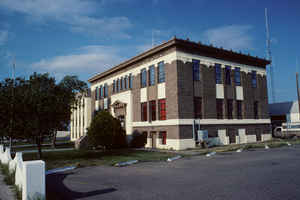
x,y
143,78
126,82
253,79
121,83
105,92
161,72
114,86
152,110
237,76
218,72
229,109
144,111
219,108
101,92
163,137
196,70
239,109
130,81
117,86
227,75
96,93
162,109
151,75
197,108
255,109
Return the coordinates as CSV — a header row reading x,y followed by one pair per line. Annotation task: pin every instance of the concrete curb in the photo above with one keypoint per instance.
x,y
173,158
57,170
123,164
239,150
211,154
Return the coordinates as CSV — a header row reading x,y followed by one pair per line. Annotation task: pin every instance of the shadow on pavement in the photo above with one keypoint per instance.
x,y
56,189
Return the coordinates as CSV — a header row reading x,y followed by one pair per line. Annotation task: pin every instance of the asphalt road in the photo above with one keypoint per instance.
x,y
261,174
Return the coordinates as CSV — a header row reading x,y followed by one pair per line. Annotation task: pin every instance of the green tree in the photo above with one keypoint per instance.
x,y
106,131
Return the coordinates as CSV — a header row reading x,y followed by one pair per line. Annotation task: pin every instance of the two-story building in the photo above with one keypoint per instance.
x,y
174,89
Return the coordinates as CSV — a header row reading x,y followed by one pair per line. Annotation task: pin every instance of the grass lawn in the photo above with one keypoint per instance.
x,y
93,158
45,146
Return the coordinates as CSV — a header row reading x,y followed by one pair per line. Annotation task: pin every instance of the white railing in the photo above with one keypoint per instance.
x,y
29,175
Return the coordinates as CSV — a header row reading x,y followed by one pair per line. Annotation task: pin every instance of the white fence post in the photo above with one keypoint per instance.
x,y
29,175
34,180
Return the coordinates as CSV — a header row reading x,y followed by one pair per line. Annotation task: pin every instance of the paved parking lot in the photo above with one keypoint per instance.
x,y
260,174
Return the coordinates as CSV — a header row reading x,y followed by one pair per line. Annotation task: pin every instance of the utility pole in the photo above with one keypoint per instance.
x,y
12,102
269,56
298,91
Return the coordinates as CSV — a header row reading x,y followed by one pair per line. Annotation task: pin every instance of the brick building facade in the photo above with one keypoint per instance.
x,y
174,89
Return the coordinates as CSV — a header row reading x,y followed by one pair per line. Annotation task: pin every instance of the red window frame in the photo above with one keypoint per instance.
x,y
162,109
144,111
163,137
152,109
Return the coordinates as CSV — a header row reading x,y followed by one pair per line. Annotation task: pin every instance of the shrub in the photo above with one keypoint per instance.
x,y
106,131
138,140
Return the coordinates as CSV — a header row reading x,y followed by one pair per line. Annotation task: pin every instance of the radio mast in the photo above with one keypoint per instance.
x,y
269,57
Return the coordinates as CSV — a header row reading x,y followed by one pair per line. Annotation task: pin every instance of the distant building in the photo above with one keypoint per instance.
x,y
279,112
179,87
81,116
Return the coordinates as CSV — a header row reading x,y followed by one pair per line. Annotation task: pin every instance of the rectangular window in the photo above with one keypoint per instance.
x,y
227,75
117,85
161,72
143,78
218,73
144,111
130,81
219,108
163,137
197,107
126,82
229,109
151,75
101,92
152,110
239,109
253,79
114,86
105,92
237,76
121,83
255,109
96,93
196,70
162,109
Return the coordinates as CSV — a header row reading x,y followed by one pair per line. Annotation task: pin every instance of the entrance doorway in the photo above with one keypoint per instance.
x,y
153,137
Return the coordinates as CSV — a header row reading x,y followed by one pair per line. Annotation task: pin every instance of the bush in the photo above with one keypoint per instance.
x,y
138,140
106,131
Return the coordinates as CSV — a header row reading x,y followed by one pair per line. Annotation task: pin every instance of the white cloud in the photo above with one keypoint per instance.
x,y
85,60
3,36
76,13
236,37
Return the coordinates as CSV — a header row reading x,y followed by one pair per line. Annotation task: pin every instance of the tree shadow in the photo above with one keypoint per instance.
x,y
56,189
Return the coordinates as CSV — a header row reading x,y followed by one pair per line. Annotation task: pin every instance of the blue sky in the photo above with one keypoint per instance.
x,y
84,37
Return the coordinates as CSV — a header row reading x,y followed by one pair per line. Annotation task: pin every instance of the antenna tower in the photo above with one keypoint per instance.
x,y
269,56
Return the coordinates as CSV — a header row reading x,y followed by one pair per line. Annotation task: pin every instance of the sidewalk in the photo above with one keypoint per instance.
x,y
6,192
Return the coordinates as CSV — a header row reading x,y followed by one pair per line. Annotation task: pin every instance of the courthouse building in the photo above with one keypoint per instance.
x,y
179,87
